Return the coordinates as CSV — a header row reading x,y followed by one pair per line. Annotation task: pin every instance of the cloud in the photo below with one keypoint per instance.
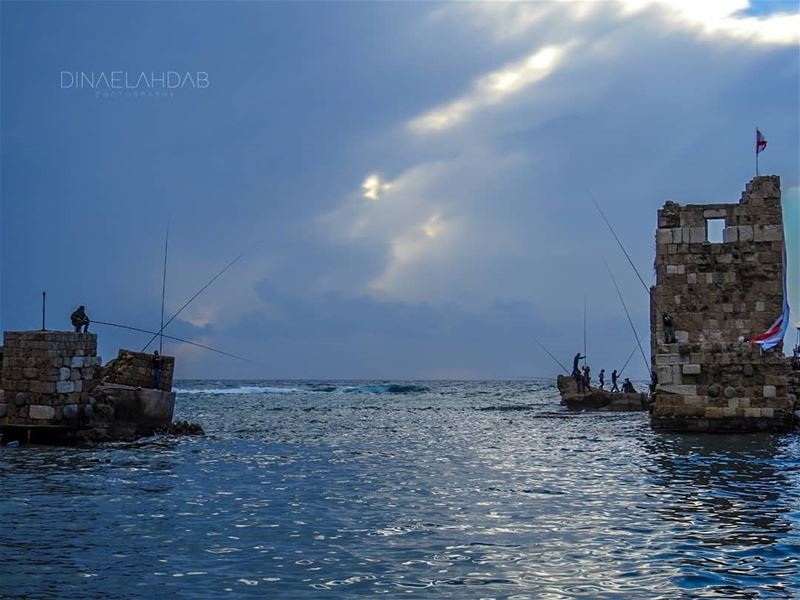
x,y
720,20
373,187
492,89
631,104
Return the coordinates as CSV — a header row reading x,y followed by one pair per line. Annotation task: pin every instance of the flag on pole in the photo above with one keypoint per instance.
x,y
761,142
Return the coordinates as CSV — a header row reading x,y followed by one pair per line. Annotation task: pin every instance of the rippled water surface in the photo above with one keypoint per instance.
x,y
457,490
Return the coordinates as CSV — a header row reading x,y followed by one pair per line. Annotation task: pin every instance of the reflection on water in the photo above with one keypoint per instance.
x,y
460,490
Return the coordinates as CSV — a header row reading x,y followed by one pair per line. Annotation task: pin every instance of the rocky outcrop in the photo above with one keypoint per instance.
x,y
599,400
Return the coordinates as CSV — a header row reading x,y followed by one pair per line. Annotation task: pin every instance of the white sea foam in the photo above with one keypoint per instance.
x,y
242,390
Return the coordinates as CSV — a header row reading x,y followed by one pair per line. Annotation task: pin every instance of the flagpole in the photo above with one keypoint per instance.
x,y
756,151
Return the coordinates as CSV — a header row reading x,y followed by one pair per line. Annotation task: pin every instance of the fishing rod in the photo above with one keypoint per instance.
x,y
177,339
550,355
628,314
200,291
585,354
625,252
163,293
627,360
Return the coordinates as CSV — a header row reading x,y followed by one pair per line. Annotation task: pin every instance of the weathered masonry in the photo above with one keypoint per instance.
x,y
52,386
720,292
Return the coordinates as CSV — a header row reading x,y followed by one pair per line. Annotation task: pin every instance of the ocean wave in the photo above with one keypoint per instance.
x,y
249,389
380,388
383,388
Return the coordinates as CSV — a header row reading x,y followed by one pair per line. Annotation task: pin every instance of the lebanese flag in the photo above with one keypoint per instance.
x,y
774,335
761,142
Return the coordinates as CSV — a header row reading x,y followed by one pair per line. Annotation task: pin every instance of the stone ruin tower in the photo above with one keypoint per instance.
x,y
719,291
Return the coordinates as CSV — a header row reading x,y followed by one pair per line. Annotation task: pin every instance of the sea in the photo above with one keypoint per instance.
x,y
330,489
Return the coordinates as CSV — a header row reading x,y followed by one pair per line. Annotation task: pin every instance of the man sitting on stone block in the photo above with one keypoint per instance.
x,y
79,319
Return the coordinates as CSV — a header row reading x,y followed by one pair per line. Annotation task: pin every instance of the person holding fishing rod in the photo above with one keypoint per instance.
x,y
79,319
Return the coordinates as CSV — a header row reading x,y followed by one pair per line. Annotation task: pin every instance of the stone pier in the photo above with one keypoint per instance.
x,y
53,388
719,293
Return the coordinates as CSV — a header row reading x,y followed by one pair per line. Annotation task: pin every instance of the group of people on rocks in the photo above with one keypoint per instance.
x,y
584,380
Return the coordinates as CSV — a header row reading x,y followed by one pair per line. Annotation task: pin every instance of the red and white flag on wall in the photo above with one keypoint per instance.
x,y
761,142
774,335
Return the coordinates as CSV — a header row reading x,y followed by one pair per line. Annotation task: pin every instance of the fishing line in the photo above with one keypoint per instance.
x,y
550,355
163,291
630,321
177,339
627,361
200,291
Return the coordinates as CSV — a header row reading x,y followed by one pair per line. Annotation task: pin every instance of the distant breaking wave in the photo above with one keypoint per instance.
x,y
243,390
379,388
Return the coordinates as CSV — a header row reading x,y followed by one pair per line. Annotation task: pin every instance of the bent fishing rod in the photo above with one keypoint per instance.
x,y
200,291
177,339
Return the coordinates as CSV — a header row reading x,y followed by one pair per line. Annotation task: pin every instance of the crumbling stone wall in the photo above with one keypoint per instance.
x,y
136,369
47,377
718,293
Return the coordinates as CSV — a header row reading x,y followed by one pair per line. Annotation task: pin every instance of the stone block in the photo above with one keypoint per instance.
x,y
43,387
672,269
3,410
65,387
772,233
752,413
713,412
733,403
683,336
691,278
41,412
77,362
730,234
770,391
664,236
715,213
729,392
668,359
768,412
745,233
70,411
697,235
683,390
728,412
691,369
30,373
63,373
664,374
759,307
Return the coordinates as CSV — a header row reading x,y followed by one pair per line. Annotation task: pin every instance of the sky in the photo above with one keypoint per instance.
x,y
413,182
